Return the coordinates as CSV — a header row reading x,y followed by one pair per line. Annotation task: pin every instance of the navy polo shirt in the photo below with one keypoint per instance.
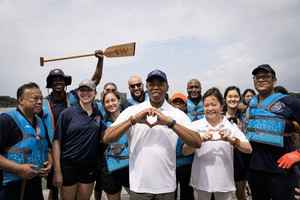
x,y
264,157
79,134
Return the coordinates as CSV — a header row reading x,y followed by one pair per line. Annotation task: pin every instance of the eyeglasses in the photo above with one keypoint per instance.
x,y
135,85
34,99
262,77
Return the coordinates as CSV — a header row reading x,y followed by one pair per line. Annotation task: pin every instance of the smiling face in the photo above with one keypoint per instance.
x,y
212,108
157,89
136,87
194,89
58,84
31,100
111,103
86,95
264,82
232,99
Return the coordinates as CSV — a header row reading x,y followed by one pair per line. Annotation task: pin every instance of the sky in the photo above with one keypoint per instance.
x,y
218,42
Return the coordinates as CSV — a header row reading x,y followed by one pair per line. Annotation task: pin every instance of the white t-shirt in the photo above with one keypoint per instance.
x,y
212,168
152,151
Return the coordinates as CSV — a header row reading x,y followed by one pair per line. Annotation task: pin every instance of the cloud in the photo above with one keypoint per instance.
x,y
219,42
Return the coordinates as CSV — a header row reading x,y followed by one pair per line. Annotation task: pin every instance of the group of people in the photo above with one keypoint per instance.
x,y
149,143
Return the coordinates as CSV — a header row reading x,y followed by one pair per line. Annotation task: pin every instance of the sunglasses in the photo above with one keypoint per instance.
x,y
135,85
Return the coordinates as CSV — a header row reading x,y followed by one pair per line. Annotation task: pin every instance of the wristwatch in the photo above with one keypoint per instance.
x,y
172,123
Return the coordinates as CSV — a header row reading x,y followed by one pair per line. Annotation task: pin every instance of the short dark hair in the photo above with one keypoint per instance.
x,y
214,92
25,86
110,83
226,93
248,90
232,88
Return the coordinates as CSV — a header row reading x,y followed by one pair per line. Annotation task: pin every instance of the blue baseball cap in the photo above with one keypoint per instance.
x,y
157,74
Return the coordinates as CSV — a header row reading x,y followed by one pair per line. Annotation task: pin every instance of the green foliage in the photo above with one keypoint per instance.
x,y
6,101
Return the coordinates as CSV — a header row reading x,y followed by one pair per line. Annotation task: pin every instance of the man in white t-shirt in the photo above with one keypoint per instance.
x,y
153,128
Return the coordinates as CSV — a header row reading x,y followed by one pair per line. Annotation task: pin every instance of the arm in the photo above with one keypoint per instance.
x,y
124,122
99,67
56,151
187,150
57,178
25,171
243,146
113,133
7,128
189,137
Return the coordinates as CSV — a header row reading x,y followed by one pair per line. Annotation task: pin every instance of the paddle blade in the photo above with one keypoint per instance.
x,y
121,50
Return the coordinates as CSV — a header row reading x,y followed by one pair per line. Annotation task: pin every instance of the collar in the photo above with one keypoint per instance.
x,y
34,123
218,127
81,110
163,107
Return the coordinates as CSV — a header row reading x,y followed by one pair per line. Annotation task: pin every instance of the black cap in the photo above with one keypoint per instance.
x,y
57,72
264,67
157,74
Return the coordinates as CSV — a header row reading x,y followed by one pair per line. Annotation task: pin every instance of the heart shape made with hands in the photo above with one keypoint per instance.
x,y
151,120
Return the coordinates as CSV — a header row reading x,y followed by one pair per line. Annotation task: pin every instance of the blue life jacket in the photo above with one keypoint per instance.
x,y
72,98
48,119
116,153
181,159
30,149
263,125
132,101
101,108
195,112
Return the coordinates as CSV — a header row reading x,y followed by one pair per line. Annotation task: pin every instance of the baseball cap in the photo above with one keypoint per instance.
x,y
178,95
157,74
57,72
87,83
264,67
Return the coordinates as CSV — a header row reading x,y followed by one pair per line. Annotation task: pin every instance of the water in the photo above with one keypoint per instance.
x,y
5,109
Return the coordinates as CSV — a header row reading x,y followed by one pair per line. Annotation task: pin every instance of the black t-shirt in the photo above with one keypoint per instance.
x,y
79,134
264,157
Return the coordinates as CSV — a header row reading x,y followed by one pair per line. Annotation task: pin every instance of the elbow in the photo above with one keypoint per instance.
x,y
247,148
107,138
198,142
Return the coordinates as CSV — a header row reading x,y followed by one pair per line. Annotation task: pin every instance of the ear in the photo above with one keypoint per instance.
x,y
147,86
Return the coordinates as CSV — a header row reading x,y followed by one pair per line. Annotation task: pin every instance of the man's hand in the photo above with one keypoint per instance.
x,y
289,159
151,117
27,171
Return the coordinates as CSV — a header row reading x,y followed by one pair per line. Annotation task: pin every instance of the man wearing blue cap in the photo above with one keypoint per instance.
x,y
153,128
271,119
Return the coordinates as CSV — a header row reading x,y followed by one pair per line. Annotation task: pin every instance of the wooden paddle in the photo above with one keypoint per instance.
x,y
120,50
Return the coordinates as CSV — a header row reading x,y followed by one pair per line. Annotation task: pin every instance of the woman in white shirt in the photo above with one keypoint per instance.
x,y
212,169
